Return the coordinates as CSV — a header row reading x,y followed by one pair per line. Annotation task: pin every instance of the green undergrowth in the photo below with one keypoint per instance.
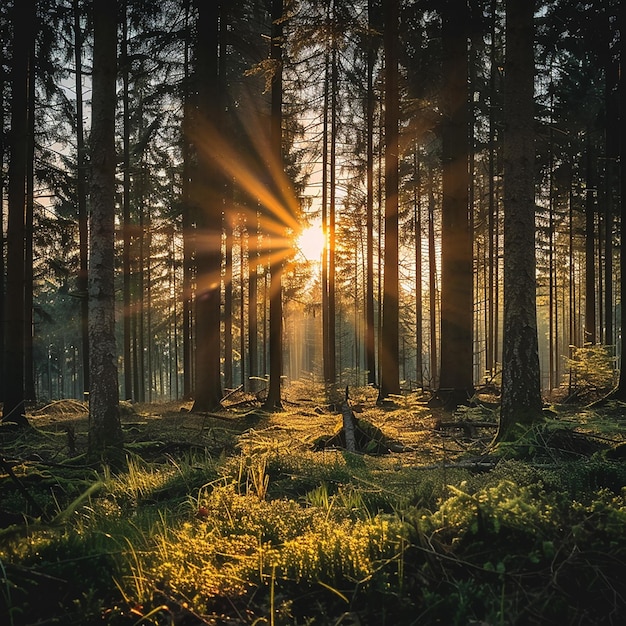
x,y
278,534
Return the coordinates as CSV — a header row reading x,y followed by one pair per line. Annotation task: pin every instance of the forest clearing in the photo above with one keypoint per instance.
x,y
235,518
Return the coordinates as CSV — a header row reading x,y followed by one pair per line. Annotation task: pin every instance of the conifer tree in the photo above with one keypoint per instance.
x,y
521,391
21,108
105,431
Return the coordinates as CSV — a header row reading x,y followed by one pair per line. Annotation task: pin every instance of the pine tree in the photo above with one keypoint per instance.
x,y
389,355
456,377
273,401
521,391
207,201
105,431
21,108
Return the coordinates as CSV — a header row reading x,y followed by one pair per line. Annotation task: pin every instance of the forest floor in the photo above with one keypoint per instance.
x,y
245,517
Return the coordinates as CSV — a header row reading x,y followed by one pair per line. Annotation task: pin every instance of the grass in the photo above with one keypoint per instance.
x,y
237,521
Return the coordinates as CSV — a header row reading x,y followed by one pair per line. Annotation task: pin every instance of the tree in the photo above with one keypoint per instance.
x,y
590,247
105,431
127,234
273,401
2,243
21,109
370,339
206,201
81,197
620,392
456,375
331,356
521,391
186,210
389,356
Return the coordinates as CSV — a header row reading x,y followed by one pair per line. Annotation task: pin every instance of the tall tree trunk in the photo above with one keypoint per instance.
x,y
81,199
432,286
227,218
253,301
492,302
228,301
21,74
573,308
140,259
590,240
273,401
389,356
521,387
242,299
207,203
417,229
147,293
126,221
2,241
174,352
29,366
621,387
370,349
332,307
105,432
187,223
612,72
326,355
552,329
456,384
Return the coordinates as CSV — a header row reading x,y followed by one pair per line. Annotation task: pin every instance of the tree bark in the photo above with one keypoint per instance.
x,y
126,222
81,198
227,217
456,383
273,401
491,356
590,240
521,391
105,432
621,387
326,357
370,350
253,301
432,287
417,229
390,356
332,209
228,301
187,223
29,366
612,73
2,242
21,74
207,201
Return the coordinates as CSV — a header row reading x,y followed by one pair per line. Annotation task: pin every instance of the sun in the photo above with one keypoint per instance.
x,y
310,242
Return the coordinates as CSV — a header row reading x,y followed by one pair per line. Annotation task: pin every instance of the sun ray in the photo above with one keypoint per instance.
x,y
268,186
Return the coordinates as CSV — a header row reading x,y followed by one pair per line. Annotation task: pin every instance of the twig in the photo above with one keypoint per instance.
x,y
232,392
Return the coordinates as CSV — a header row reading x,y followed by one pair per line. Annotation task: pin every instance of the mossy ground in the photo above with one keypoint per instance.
x,y
235,518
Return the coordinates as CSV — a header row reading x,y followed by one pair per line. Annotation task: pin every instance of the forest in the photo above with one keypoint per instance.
x,y
312,312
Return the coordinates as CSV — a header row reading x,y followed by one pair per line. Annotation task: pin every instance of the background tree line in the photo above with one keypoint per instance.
x,y
443,146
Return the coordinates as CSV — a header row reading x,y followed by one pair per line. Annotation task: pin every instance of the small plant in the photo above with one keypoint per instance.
x,y
253,477
592,371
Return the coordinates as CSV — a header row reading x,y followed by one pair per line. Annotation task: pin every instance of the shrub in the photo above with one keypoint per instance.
x,y
592,371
